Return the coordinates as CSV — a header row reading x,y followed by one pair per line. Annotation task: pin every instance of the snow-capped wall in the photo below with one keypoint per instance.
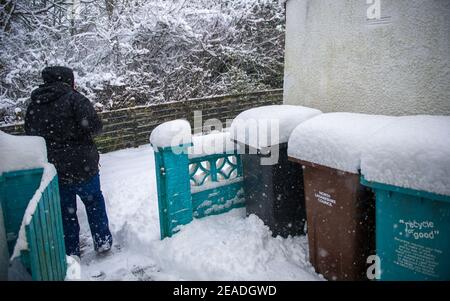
x,y
339,60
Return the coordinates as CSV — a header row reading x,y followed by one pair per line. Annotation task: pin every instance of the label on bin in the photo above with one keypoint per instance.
x,y
325,198
412,252
419,230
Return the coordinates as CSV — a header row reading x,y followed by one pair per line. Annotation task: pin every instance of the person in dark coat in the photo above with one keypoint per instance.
x,y
67,121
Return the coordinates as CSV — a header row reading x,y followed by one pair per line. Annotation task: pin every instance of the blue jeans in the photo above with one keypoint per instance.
x,y
92,198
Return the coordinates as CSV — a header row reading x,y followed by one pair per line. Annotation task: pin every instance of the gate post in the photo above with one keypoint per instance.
x,y
172,175
174,191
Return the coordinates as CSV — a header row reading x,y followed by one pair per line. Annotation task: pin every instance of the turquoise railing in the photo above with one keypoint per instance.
x,y
45,256
216,183
195,187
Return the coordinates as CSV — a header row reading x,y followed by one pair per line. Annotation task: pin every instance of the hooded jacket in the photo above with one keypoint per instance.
x,y
66,120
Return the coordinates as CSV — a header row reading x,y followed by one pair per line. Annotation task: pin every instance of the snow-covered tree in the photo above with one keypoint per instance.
x,y
130,52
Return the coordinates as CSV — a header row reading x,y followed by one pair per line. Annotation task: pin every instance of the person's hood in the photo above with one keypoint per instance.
x,y
52,74
50,92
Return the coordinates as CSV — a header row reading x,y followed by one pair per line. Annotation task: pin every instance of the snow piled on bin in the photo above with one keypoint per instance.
x,y
269,125
335,140
21,152
414,152
172,133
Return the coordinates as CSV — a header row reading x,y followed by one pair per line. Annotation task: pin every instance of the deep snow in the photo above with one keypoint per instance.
x,y
224,247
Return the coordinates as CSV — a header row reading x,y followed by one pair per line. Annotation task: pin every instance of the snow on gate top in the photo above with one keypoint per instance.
x,y
414,152
213,143
335,140
269,125
171,133
178,132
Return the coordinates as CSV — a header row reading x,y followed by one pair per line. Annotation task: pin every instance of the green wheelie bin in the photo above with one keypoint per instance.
x,y
408,167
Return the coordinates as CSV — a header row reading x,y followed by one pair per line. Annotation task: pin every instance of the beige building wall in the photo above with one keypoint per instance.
x,y
340,58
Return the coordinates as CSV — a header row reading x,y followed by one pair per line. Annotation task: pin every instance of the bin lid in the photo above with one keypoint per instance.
x,y
335,140
21,152
265,126
413,152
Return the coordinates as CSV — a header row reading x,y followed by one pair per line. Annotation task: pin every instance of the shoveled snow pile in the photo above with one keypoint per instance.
x,y
224,247
269,125
21,152
335,140
171,133
213,143
414,152
233,247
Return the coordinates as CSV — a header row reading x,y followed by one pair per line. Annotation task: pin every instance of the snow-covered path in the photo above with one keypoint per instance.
x,y
225,247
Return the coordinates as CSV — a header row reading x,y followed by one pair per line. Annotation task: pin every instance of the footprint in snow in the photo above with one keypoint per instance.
x,y
97,275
